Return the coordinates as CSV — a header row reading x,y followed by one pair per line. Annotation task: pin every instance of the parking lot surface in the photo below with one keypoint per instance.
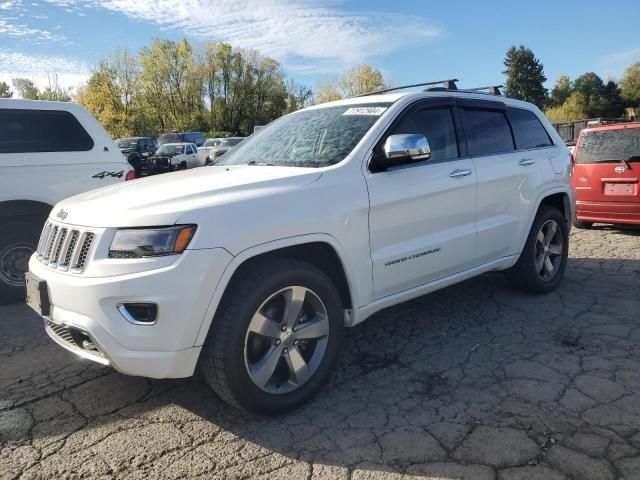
x,y
476,381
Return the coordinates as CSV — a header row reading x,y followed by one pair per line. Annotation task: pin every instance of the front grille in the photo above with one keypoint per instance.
x,y
64,248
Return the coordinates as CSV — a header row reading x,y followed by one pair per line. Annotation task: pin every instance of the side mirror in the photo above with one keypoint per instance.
x,y
400,149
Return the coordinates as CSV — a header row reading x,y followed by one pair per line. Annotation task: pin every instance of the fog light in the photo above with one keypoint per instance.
x,y
139,313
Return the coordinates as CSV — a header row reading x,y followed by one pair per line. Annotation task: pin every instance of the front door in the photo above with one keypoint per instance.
x,y
422,215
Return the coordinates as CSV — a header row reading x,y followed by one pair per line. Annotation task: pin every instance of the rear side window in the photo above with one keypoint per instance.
x,y
527,129
32,131
487,132
437,125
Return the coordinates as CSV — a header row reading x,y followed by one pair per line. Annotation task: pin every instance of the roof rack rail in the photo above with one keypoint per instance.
x,y
491,89
449,84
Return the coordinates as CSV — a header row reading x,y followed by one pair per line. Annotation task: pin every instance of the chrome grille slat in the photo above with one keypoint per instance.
x,y
63,248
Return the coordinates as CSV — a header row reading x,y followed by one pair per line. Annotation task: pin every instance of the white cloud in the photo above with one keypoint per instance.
x,y
71,72
10,29
299,33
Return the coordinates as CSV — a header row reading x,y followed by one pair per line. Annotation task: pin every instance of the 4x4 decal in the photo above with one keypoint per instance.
x,y
109,174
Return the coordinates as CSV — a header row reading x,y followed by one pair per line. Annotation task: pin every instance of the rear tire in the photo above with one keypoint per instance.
x,y
18,241
258,327
582,225
543,260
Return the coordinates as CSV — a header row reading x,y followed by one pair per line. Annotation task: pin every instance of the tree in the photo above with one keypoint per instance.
x,y
571,110
630,85
327,92
5,91
26,88
356,81
298,96
525,76
54,91
361,79
561,91
600,100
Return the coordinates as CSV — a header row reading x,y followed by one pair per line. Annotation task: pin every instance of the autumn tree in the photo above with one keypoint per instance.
x,y
355,81
630,85
525,76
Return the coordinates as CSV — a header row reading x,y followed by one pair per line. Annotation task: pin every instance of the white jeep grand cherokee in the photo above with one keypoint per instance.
x,y
250,269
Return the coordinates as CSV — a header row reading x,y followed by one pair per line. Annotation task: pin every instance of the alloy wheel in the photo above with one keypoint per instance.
x,y
286,340
549,249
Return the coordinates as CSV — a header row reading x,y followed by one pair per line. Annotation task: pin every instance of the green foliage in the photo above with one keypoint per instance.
x,y
601,100
525,76
561,92
5,90
356,81
571,110
630,85
28,90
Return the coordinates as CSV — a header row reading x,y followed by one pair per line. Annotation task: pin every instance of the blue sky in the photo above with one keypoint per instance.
x,y
410,41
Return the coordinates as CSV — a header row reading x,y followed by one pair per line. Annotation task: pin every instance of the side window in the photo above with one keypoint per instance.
x,y
141,145
32,131
487,132
437,125
527,129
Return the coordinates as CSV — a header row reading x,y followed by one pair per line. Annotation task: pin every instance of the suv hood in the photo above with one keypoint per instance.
x,y
163,199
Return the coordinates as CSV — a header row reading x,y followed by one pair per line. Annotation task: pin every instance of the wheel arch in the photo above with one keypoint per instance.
x,y
320,250
558,198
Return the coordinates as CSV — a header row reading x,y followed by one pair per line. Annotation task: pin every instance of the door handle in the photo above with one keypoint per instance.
x,y
457,173
525,162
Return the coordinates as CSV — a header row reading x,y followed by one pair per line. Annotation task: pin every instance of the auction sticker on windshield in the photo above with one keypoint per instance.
x,y
377,111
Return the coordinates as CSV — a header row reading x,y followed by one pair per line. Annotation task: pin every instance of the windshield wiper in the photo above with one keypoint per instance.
x,y
253,162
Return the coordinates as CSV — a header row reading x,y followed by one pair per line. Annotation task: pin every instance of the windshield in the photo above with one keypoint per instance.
x,y
169,138
213,142
127,143
609,146
230,142
170,150
312,138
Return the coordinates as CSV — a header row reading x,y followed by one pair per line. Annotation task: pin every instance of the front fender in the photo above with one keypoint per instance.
x,y
254,251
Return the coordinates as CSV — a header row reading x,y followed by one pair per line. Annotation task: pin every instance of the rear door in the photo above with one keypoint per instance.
x,y
508,178
607,165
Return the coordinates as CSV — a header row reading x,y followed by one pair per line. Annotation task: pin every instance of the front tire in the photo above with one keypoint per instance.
x,y
18,241
543,260
276,337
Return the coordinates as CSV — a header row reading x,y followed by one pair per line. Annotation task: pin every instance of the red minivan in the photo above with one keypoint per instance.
x,y
606,175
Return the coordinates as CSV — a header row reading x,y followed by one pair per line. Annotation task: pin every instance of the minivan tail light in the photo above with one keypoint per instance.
x,y
131,175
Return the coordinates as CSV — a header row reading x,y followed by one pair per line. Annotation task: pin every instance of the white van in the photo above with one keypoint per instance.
x,y
48,151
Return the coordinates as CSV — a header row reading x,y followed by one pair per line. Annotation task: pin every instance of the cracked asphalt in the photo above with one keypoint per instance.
x,y
476,381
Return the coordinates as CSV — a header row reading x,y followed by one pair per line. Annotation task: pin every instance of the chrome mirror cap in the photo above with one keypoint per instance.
x,y
412,146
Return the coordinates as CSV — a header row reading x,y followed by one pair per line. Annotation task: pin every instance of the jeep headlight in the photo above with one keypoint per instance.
x,y
151,242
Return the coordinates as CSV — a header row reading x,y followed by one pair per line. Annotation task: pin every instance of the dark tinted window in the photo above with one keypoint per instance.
x,y
527,129
26,131
437,125
487,132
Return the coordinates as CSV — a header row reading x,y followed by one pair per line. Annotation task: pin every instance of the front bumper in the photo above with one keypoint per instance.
x,y
608,212
88,305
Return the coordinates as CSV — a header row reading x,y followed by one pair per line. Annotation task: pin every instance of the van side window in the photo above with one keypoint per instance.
x,y
487,132
32,131
437,125
527,129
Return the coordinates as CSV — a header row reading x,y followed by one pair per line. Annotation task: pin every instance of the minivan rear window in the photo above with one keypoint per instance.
x,y
33,131
609,146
